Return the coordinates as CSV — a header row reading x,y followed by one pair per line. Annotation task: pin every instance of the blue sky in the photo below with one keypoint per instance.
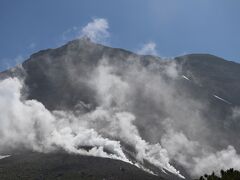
x,y
170,27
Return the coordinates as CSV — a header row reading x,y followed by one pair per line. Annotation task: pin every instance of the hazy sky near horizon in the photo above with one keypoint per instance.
x,y
170,27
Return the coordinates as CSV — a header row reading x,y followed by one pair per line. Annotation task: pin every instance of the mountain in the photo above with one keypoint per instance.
x,y
53,65
191,87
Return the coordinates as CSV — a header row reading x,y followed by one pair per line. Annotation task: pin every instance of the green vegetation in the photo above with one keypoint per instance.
x,y
230,174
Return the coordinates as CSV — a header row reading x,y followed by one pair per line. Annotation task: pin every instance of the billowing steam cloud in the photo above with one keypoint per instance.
x,y
148,49
97,30
28,124
140,108
196,158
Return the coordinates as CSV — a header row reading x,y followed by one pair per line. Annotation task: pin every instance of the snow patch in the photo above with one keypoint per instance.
x,y
221,99
5,156
185,77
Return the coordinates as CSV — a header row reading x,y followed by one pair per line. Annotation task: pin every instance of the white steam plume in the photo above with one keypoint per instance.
x,y
185,131
97,30
28,124
148,49
196,158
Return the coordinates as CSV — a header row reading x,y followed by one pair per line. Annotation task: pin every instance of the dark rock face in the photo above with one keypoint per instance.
x,y
215,74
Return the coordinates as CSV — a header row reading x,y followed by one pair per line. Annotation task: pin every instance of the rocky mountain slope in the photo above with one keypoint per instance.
x,y
191,87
